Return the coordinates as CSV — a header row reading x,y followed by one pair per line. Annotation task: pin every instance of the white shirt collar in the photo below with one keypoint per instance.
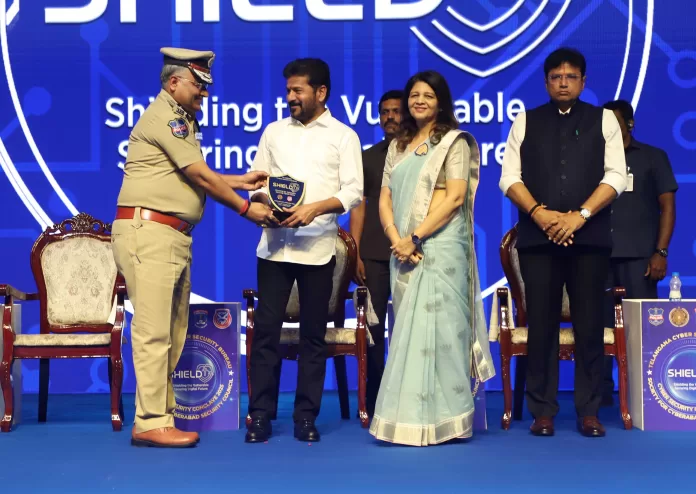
x,y
323,120
568,110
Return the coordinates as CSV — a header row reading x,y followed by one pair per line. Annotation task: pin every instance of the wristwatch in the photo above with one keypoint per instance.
x,y
662,252
415,239
585,213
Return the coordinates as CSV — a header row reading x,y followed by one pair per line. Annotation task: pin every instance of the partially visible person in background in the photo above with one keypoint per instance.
x,y
642,223
372,269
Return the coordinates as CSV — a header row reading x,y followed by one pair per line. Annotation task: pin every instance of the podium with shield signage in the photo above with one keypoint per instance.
x,y
661,352
206,380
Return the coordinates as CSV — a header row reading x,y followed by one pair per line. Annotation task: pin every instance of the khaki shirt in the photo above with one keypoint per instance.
x,y
162,143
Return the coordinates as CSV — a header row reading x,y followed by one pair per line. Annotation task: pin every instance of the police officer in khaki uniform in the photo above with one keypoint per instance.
x,y
162,198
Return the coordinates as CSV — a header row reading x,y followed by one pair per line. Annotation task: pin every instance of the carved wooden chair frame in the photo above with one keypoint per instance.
x,y
508,349
82,225
335,351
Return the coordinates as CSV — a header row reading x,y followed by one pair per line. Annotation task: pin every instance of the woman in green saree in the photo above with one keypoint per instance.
x,y
439,339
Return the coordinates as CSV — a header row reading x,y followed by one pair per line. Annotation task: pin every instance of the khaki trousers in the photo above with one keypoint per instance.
x,y
155,261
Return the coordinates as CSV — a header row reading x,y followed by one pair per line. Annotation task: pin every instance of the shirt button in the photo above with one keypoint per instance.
x,y
563,148
563,177
563,162
563,133
563,192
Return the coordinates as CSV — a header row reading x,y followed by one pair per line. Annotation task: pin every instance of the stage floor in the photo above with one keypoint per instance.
x,y
76,451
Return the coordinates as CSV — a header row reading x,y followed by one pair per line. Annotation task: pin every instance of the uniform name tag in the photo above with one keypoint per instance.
x,y
629,187
199,136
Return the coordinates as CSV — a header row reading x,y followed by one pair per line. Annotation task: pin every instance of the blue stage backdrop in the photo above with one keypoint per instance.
x,y
77,74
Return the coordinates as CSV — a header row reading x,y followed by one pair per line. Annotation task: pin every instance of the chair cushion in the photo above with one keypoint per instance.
x,y
80,273
334,336
35,340
566,337
293,308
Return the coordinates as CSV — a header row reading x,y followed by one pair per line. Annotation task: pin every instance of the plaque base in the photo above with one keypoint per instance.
x,y
281,215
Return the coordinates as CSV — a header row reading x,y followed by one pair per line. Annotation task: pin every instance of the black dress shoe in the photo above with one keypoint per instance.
x,y
542,426
306,431
590,427
258,431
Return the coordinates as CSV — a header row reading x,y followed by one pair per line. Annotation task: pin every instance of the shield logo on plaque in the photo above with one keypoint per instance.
x,y
285,192
222,318
656,316
201,318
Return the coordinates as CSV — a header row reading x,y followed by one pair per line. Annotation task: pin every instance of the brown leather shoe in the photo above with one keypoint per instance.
x,y
165,437
590,427
542,426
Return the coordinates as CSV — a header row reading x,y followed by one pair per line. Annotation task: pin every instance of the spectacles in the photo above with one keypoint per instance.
x,y
567,77
199,85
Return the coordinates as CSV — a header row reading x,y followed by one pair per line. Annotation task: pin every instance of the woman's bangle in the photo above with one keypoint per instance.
x,y
388,227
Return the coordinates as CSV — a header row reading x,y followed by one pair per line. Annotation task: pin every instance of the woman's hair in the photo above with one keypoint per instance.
x,y
445,119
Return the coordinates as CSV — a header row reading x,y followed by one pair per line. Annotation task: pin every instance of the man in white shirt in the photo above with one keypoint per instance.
x,y
564,164
314,148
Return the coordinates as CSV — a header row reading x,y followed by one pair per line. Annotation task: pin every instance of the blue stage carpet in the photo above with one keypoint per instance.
x,y
75,451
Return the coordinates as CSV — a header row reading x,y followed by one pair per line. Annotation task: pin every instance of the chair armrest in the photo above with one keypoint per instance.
x,y
10,291
362,296
619,293
250,296
504,317
361,307
501,325
361,318
121,287
6,327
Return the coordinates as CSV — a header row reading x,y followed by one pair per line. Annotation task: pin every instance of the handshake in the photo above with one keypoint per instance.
x,y
267,215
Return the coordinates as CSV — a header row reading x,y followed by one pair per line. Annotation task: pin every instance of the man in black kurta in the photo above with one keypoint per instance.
x,y
563,164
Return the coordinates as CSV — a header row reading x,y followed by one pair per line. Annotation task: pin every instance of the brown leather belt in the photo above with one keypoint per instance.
x,y
125,213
